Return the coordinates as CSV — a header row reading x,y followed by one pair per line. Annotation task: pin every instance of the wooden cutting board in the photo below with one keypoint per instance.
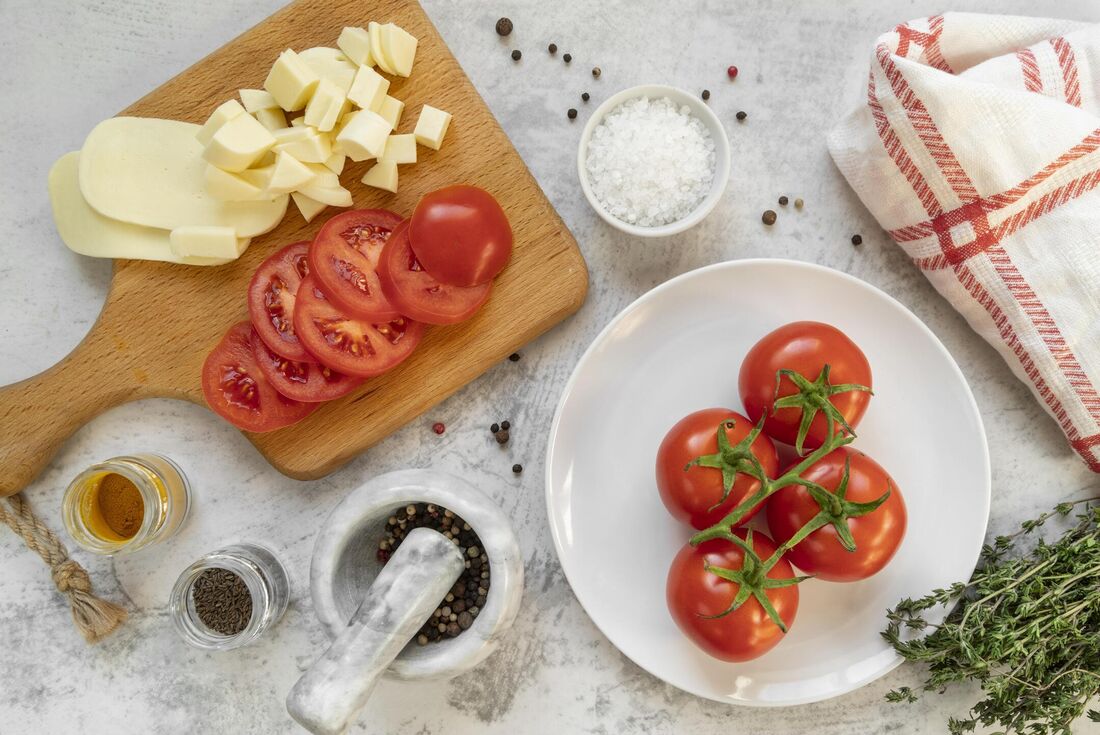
x,y
160,320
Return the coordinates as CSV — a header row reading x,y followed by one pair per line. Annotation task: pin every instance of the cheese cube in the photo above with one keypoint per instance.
x,y
206,241
355,43
289,174
238,144
325,106
322,176
225,112
391,110
272,118
336,196
309,208
260,177
291,81
400,149
364,136
335,162
369,89
431,127
399,48
255,100
382,175
230,187
312,147
298,122
374,30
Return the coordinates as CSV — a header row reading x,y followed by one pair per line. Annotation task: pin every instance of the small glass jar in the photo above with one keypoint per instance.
x,y
268,585
165,496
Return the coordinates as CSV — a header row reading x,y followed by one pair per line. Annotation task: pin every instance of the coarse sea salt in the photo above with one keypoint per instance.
x,y
650,162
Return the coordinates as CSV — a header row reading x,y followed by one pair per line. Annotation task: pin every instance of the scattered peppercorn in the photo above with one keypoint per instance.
x,y
494,428
514,357
516,54
504,27
584,96
552,48
741,116
731,72
783,201
768,217
798,203
438,427
706,94
596,72
857,239
506,425
572,113
502,437
517,468
567,58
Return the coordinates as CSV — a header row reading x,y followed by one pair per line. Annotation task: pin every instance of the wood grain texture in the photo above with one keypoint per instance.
x,y
160,320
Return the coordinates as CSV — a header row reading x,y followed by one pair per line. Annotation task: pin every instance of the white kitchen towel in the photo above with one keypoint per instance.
x,y
978,150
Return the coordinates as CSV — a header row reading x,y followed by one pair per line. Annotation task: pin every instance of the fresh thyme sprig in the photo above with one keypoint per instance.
x,y
1026,627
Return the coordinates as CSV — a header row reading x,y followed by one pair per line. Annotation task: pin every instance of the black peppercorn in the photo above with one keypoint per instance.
x,y
596,72
502,436
494,428
857,239
783,201
567,58
516,54
514,357
506,425
706,94
584,96
742,115
504,27
571,113
552,48
517,468
768,217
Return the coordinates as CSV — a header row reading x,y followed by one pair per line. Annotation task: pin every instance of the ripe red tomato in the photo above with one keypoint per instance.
x,y
271,299
461,235
237,390
415,293
310,381
693,593
355,347
877,535
691,495
344,256
804,347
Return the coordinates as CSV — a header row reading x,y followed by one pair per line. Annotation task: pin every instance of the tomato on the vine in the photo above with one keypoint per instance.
x,y
693,493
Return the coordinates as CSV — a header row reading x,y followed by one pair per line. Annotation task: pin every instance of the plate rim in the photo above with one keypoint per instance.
x,y
669,284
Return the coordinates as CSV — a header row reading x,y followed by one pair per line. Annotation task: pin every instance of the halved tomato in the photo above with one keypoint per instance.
x,y
343,258
237,390
310,382
461,235
271,299
417,294
347,345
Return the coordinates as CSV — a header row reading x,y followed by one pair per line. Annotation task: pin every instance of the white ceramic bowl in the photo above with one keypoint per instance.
x,y
721,153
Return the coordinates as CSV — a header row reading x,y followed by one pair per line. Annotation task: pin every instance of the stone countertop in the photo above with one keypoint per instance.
x,y
71,64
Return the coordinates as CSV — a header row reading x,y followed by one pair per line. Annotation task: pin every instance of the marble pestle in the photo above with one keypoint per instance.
x,y
402,598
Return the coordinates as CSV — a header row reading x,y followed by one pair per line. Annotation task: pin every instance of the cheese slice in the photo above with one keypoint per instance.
x,y
399,48
355,43
206,242
231,187
87,232
382,175
151,172
374,30
309,208
331,64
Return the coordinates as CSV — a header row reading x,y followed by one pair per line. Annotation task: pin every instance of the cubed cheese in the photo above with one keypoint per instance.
x,y
322,176
238,144
355,43
325,106
399,48
260,177
431,127
331,64
289,174
369,89
271,118
291,81
336,196
298,122
374,30
382,175
335,162
309,208
364,136
255,100
230,187
225,112
400,149
391,110
206,241
313,147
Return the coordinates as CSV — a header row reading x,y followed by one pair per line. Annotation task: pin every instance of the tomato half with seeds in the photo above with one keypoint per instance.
x,y
693,494
694,595
236,389
461,235
344,257
271,299
310,381
351,346
417,294
877,534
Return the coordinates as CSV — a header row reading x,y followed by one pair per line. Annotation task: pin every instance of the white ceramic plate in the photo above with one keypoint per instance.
x,y
677,349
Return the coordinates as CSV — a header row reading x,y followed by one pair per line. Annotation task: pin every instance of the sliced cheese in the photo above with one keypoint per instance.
x,y
311,146
255,100
231,187
238,144
288,174
369,89
431,127
87,232
331,64
151,172
382,175
391,109
291,81
355,43
225,112
399,48
206,242
400,149
308,207
364,136
374,30
272,119
326,106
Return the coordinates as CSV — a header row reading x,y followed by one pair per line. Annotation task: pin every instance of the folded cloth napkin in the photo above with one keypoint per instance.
x,y
978,150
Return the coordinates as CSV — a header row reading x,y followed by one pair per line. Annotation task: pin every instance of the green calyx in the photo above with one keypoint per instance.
x,y
835,510
812,397
732,459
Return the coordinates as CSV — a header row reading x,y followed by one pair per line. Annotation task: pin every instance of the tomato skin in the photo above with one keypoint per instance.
x,y
692,592
689,495
236,390
271,295
805,347
461,235
878,535
417,294
344,258
310,382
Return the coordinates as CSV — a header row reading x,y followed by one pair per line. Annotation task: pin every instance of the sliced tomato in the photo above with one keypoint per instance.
x,y
347,345
343,257
417,294
461,235
271,299
310,382
237,390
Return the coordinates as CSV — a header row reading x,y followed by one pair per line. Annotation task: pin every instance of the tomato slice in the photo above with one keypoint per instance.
x,y
461,235
347,345
271,299
310,382
343,257
417,294
237,390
